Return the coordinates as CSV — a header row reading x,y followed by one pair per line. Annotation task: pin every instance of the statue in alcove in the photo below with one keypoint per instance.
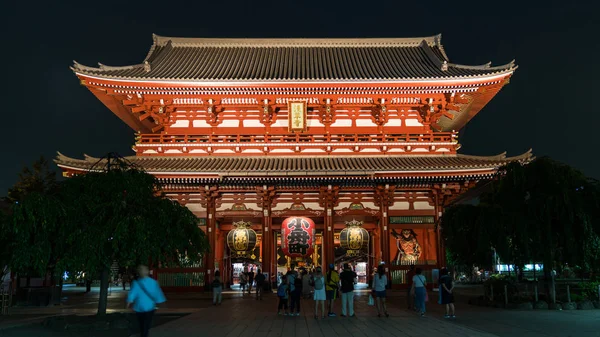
x,y
409,249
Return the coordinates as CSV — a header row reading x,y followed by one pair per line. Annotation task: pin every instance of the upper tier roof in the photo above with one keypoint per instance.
x,y
298,60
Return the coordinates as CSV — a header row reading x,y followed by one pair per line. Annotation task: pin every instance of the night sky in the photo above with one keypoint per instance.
x,y
550,105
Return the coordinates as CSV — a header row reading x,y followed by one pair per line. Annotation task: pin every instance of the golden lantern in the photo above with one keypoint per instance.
x,y
242,239
354,238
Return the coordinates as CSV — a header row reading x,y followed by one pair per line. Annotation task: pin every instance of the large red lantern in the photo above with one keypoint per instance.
x,y
298,237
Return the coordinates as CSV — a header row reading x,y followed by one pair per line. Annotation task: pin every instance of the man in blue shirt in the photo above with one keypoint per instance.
x,y
145,293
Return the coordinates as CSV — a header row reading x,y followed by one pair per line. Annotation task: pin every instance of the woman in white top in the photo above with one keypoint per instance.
x,y
419,290
379,285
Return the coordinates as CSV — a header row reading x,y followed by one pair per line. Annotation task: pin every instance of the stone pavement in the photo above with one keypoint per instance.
x,y
249,318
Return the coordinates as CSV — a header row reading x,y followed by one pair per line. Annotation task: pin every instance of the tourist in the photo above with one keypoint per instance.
x,y
282,293
419,291
144,294
380,283
447,286
250,280
243,281
217,288
333,279
260,283
306,288
296,293
348,279
410,296
318,282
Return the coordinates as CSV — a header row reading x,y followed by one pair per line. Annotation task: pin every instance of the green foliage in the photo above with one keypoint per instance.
x,y
39,234
544,211
589,290
39,178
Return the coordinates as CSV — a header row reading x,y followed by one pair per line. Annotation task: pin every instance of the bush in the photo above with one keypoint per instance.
x,y
498,281
589,290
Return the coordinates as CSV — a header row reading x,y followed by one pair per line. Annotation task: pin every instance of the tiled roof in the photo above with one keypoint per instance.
x,y
302,166
369,59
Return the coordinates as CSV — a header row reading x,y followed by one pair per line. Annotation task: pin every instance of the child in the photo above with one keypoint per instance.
x,y
282,293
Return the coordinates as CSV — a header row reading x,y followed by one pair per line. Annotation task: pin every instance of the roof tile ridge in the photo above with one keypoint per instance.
x,y
508,66
294,42
441,64
105,67
438,43
527,156
500,156
80,67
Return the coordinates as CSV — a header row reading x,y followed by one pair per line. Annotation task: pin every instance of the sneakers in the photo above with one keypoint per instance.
x,y
446,316
453,316
331,314
422,314
342,315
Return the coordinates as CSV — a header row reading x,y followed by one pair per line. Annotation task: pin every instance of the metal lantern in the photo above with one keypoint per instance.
x,y
242,239
354,238
298,237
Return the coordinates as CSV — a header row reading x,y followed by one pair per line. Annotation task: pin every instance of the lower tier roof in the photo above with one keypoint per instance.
x,y
401,165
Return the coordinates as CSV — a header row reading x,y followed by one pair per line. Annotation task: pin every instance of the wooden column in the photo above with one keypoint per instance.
x,y
266,193
441,247
328,200
384,197
210,194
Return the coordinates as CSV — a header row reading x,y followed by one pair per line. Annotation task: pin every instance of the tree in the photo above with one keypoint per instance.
x,y
39,178
5,238
119,215
544,211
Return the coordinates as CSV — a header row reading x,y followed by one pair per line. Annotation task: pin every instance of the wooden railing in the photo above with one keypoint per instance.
x,y
439,137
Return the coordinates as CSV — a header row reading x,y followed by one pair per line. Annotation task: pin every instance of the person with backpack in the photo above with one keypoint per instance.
x,y
295,293
144,294
282,293
348,279
250,280
331,288
260,283
318,282
217,288
419,290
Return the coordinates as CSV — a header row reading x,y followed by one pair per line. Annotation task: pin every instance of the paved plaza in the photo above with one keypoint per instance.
x,y
247,317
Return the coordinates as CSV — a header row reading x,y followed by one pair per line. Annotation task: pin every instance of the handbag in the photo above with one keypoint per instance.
x,y
371,300
146,292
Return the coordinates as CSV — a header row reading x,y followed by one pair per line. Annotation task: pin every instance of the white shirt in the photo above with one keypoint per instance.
x,y
419,281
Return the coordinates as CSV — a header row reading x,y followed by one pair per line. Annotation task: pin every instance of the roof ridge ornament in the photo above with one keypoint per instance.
x,y
147,66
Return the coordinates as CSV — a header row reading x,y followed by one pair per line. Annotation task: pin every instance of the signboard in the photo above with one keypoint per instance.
x,y
297,116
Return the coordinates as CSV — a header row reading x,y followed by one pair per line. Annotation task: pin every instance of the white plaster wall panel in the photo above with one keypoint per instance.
x,y
282,151
195,207
197,151
252,151
229,123
252,123
182,123
224,151
412,122
422,205
365,122
282,123
314,123
400,205
200,123
394,122
342,122
150,151
173,151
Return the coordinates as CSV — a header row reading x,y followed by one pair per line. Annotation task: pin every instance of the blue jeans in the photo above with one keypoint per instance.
x,y
420,298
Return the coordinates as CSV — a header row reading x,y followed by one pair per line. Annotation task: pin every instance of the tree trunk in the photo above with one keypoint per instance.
x,y
103,299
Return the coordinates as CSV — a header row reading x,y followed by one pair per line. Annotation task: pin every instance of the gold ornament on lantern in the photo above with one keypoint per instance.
x,y
354,238
242,239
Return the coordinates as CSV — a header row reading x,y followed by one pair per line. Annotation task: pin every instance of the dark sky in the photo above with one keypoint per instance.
x,y
550,105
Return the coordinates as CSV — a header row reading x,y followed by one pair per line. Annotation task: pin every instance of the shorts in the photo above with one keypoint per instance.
x,y
380,294
331,294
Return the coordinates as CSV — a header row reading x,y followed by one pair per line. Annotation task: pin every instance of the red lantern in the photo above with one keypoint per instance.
x,y
298,237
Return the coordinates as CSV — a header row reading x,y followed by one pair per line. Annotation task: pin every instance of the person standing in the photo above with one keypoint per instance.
x,y
306,284
333,279
243,281
144,294
217,288
318,282
296,294
447,286
348,279
419,290
282,293
260,283
379,290
250,280
410,296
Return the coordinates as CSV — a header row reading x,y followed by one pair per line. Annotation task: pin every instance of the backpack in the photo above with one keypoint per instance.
x,y
281,290
319,283
216,283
